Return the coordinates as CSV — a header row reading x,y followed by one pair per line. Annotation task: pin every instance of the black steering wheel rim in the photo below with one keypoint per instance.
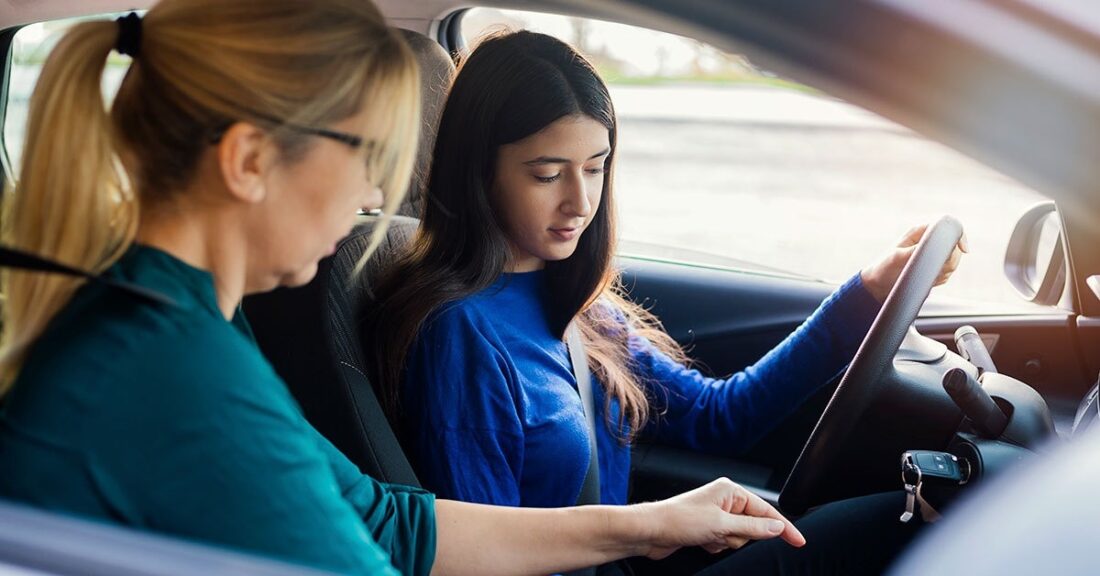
x,y
875,356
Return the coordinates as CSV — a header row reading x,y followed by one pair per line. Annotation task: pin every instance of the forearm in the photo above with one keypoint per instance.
x,y
493,540
728,416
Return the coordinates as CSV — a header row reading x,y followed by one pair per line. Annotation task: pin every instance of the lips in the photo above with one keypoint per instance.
x,y
565,234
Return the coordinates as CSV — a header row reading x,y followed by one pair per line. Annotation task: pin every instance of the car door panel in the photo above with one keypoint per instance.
x,y
726,319
1043,351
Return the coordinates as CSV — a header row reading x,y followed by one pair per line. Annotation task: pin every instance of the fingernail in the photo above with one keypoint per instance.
x,y
775,526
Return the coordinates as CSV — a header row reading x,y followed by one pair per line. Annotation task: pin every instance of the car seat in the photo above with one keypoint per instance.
x,y
310,334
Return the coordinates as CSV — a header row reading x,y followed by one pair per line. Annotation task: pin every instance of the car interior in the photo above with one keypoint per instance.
x,y
917,383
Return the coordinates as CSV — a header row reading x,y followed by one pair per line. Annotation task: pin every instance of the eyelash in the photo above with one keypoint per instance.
x,y
555,177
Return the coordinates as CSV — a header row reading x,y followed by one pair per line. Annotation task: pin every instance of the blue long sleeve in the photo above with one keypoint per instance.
x,y
493,414
727,416
463,427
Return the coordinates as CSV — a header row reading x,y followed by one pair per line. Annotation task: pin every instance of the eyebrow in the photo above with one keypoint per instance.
x,y
555,160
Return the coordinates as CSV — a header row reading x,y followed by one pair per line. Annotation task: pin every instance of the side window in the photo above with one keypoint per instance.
x,y
30,47
722,163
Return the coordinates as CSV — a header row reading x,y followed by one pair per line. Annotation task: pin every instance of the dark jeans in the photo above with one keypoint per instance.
x,y
851,537
856,536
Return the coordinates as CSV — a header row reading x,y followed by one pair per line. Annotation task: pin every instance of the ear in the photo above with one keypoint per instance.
x,y
245,155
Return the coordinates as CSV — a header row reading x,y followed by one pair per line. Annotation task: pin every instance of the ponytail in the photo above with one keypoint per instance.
x,y
71,203
200,65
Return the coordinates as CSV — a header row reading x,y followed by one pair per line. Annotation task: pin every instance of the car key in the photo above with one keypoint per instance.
x,y
920,466
910,503
934,467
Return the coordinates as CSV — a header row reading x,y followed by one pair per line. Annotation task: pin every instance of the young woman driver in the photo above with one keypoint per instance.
x,y
515,245
242,141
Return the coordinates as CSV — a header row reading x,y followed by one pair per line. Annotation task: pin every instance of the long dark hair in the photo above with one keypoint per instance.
x,y
512,86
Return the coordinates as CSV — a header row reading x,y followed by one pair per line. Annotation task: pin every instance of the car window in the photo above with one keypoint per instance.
x,y
30,47
718,157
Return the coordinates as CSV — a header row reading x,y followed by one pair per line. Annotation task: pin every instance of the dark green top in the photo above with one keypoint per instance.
x,y
168,418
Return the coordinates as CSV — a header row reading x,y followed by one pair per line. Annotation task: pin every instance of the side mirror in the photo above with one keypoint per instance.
x,y
1035,261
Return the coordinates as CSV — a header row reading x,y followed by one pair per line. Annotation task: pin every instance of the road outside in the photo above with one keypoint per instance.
x,y
780,177
801,182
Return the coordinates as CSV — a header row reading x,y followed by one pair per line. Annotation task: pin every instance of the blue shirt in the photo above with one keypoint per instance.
x,y
168,418
493,415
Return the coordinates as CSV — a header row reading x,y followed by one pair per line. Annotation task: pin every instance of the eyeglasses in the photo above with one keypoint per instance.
x,y
350,140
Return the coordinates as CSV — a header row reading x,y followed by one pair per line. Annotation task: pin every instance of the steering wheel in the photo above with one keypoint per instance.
x,y
861,382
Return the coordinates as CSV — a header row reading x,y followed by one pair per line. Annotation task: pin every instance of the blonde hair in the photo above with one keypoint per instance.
x,y
202,65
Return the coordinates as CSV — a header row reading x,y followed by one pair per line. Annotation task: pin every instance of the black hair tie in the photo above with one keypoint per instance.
x,y
129,35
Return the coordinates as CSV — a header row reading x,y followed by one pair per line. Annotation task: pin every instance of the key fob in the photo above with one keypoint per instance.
x,y
933,467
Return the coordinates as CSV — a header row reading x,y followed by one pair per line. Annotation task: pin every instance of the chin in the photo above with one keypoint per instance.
x,y
554,251
301,277
559,255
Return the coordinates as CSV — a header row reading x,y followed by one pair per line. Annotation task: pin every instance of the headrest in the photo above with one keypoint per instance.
x,y
436,72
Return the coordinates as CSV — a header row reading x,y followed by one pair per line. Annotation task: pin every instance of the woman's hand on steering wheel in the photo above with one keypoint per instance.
x,y
879,278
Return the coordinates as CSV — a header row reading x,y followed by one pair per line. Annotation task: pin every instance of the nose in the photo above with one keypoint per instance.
x,y
576,200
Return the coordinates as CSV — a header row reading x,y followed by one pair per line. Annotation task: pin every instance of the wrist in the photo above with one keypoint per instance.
x,y
637,526
872,282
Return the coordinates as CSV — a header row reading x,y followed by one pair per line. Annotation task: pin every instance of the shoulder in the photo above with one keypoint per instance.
x,y
459,335
138,389
459,354
461,322
217,367
131,356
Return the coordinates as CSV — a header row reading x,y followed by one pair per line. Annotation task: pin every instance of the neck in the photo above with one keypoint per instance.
x,y
201,241
520,262
521,267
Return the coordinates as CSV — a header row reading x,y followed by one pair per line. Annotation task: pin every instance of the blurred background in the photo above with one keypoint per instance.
x,y
723,163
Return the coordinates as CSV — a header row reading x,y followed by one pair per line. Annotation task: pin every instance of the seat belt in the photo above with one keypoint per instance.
x,y
590,490
20,260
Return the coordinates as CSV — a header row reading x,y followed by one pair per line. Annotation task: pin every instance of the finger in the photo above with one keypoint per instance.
x,y
660,553
751,527
949,267
735,543
792,536
912,236
943,276
953,260
904,253
790,533
964,244
756,506
715,548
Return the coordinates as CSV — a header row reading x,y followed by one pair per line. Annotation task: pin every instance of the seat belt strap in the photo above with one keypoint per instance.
x,y
590,490
20,260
